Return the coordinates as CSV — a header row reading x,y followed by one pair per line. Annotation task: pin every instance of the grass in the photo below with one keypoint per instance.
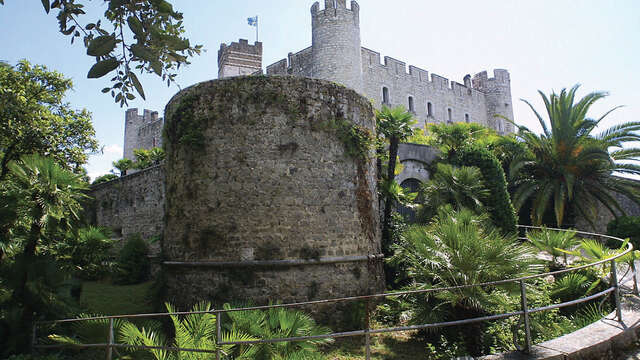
x,y
101,297
399,346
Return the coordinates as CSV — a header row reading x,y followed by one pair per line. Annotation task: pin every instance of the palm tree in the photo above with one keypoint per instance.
x,y
278,323
571,168
461,248
49,196
193,331
123,165
461,187
395,124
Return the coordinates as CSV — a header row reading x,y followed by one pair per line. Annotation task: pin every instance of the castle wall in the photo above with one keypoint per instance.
x,y
442,94
271,206
239,58
132,204
604,216
141,131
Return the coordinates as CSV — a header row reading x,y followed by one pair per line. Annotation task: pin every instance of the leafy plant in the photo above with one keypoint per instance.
x,y
123,165
396,126
553,242
461,187
568,169
277,323
499,202
572,286
133,264
461,248
104,178
36,119
625,227
159,47
192,331
86,253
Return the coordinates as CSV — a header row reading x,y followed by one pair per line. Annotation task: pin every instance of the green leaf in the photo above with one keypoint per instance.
x,y
130,96
115,4
137,85
102,68
106,90
136,26
143,53
102,45
157,67
45,4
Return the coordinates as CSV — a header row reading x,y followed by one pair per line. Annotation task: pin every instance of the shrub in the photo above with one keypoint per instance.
x,y
104,178
502,212
133,264
625,227
87,253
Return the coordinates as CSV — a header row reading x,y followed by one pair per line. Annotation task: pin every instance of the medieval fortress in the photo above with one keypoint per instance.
x,y
259,196
336,54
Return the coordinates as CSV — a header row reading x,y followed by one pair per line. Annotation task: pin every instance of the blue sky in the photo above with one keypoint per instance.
x,y
545,45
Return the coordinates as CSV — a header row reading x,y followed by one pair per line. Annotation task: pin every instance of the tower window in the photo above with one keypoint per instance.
x,y
449,118
466,117
429,110
385,95
411,108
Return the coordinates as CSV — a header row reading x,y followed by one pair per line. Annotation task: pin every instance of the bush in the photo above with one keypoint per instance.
x,y
502,212
133,264
104,178
87,253
625,227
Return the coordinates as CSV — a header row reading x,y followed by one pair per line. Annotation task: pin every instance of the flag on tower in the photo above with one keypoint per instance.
x,y
253,21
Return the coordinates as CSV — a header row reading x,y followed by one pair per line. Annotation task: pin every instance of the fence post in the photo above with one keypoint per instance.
x,y
635,276
110,340
616,290
367,335
218,335
525,311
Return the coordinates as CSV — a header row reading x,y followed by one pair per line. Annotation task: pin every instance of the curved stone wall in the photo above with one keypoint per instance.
x,y
269,195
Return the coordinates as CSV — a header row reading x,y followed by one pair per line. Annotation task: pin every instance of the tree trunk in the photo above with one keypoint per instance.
x,y
388,204
20,294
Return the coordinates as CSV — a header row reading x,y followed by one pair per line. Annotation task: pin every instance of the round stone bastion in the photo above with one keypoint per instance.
x,y
270,193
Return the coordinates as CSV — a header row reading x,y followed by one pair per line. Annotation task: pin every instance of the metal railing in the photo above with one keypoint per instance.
x,y
524,313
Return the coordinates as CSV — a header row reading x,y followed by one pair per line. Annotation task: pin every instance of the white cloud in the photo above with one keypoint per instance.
x,y
113,149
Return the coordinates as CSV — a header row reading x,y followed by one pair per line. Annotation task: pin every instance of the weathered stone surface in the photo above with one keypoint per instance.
x,y
257,169
133,204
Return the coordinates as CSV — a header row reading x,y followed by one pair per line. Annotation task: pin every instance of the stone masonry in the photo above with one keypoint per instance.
x,y
337,55
141,131
239,58
266,196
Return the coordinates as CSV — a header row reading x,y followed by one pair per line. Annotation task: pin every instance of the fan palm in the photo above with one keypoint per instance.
x,y
278,323
193,331
462,187
571,168
553,242
462,248
396,126
49,195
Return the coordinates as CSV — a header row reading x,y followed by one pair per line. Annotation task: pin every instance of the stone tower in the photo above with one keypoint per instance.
x,y
239,58
498,99
265,201
141,131
336,49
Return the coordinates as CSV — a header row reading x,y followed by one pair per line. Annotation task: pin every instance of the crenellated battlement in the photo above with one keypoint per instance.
x,y
372,59
483,82
239,58
331,7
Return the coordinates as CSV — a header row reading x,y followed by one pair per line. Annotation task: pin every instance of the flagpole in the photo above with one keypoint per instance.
x,y
257,25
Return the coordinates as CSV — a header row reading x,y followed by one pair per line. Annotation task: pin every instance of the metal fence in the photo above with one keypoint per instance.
x,y
524,312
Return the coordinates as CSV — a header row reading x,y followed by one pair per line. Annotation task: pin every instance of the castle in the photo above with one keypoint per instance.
x,y
336,54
